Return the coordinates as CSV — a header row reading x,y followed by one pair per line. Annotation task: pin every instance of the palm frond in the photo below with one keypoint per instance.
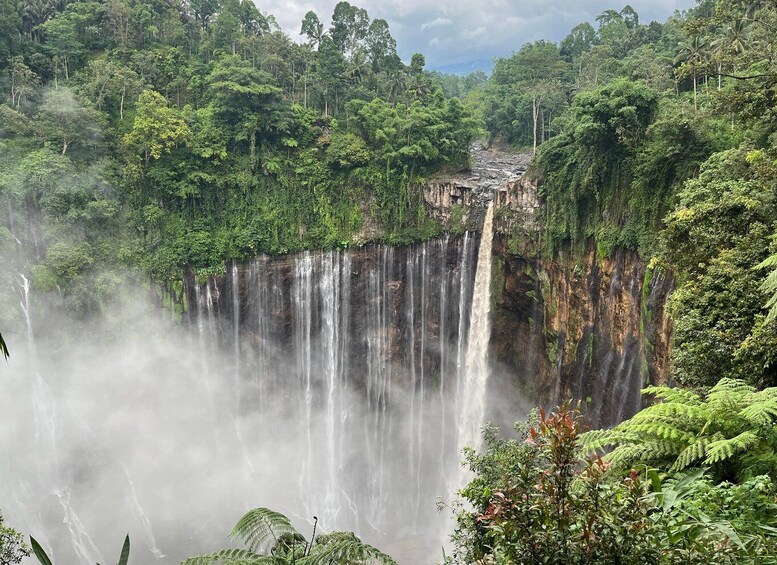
x,y
260,529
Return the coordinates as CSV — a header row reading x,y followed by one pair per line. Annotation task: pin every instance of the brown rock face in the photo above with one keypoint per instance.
x,y
582,328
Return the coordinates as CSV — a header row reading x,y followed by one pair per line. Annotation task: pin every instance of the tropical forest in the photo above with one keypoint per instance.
x,y
285,288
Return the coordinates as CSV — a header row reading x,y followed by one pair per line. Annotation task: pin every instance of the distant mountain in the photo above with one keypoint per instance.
x,y
486,65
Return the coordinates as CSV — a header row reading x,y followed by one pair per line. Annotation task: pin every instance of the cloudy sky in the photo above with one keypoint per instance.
x,y
456,32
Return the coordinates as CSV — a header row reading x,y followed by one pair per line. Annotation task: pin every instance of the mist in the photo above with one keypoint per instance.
x,y
322,384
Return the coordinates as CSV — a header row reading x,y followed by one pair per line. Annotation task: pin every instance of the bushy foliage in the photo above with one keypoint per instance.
x,y
12,546
717,235
588,168
536,499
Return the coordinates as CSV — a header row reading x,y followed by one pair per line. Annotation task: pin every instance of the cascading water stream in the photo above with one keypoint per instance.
x,y
471,416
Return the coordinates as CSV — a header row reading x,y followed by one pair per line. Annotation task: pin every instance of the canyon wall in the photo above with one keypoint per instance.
x,y
568,325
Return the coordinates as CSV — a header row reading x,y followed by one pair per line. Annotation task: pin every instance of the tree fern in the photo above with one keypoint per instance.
x,y
272,540
723,449
349,551
261,528
770,285
234,557
731,428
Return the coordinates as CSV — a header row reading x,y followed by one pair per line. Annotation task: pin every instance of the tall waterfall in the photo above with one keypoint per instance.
x,y
360,354
473,390
326,383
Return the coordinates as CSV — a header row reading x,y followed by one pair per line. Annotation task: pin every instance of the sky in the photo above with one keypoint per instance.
x,y
458,34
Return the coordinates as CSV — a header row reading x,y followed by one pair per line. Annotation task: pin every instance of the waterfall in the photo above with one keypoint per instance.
x,y
473,394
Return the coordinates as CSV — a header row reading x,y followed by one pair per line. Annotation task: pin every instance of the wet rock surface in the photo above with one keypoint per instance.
x,y
494,175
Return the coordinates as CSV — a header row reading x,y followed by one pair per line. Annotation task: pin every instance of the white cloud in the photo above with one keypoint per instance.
x,y
437,22
505,24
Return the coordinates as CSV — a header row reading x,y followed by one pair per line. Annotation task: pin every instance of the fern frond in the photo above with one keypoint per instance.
x,y
233,557
596,440
673,410
723,449
625,455
690,454
661,430
260,529
760,413
670,394
732,386
351,551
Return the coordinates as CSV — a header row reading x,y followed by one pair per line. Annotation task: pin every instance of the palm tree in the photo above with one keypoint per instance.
x,y
693,55
270,539
731,43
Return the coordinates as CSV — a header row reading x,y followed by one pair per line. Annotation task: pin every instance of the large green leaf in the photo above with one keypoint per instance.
x,y
39,553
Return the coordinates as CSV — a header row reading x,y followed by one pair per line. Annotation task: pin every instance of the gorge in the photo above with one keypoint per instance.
x,y
362,371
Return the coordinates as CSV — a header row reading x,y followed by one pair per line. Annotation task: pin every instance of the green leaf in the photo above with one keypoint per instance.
x,y
39,553
125,551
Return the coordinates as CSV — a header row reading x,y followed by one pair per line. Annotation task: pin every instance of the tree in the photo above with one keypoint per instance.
x,y
313,28
381,46
349,27
157,128
12,546
64,118
270,538
23,80
539,67
245,99
579,40
692,53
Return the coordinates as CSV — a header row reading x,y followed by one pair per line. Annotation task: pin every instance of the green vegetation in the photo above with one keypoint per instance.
x,y
269,538
659,138
730,430
539,499
152,138
12,546
43,558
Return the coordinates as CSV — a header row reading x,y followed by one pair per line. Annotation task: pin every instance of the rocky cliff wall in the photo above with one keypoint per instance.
x,y
569,325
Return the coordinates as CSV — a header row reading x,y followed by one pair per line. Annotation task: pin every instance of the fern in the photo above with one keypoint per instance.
x,y
234,557
723,449
669,394
690,454
261,528
770,285
272,540
352,552
760,413
730,428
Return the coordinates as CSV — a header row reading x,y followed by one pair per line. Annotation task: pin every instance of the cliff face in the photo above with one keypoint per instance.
x,y
586,328
568,326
